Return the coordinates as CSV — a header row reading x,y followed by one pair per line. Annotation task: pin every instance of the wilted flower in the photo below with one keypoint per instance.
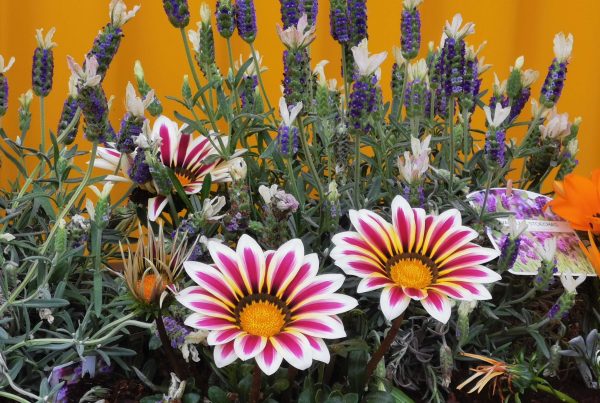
x,y
266,306
497,372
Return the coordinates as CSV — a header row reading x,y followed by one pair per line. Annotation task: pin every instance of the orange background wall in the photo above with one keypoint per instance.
x,y
511,27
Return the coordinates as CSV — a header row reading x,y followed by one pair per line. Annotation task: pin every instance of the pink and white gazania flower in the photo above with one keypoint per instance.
x,y
367,64
418,256
268,306
184,154
299,36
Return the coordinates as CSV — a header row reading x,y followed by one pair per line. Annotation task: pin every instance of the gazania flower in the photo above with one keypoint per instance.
x,y
592,252
577,200
268,306
154,265
423,257
185,155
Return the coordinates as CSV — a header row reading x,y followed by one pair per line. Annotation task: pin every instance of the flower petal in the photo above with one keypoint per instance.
x,y
211,280
224,354
199,300
229,265
252,261
305,276
360,267
269,360
294,348
326,327
351,244
320,352
332,305
403,220
318,288
156,206
467,256
284,265
472,274
378,233
438,306
222,336
203,322
373,282
393,302
249,346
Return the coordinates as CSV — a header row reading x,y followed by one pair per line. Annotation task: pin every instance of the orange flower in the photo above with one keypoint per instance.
x,y
577,200
497,369
592,253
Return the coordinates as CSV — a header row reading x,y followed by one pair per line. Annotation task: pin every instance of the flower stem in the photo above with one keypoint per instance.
x,y
260,80
563,397
256,381
357,169
232,66
451,139
166,343
311,164
345,74
384,347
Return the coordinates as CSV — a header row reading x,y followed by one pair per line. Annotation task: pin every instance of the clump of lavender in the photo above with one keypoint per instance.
x,y
203,42
363,99
68,113
91,99
297,77
4,84
155,108
518,87
510,245
245,19
557,72
287,133
338,20
43,63
495,146
178,12
411,29
225,16
108,40
133,121
176,331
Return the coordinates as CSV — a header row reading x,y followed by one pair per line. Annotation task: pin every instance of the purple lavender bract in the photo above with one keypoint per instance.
x,y
362,101
357,20
3,94
42,71
411,33
290,12
245,18
105,47
554,83
68,113
283,139
139,172
495,146
131,127
225,18
178,12
311,9
338,20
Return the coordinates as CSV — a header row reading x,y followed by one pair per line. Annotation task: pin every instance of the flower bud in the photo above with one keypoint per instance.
x,y
178,12
225,18
24,112
245,19
43,63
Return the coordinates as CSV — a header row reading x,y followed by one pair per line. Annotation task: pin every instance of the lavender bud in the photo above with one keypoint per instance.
x,y
555,79
446,364
159,173
248,89
363,101
4,84
495,146
24,112
245,19
155,108
43,64
225,18
139,172
338,20
311,9
411,32
290,12
283,139
131,127
178,12
357,20
66,116
105,47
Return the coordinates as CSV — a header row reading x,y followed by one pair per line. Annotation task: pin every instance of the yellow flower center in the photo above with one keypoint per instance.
x,y
262,318
183,176
412,271
148,285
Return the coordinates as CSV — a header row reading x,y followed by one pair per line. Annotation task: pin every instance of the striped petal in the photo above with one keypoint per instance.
x,y
438,306
326,327
360,267
393,302
403,220
320,352
415,293
217,337
249,346
317,288
203,322
294,348
452,241
211,280
374,282
228,263
439,226
253,265
473,274
328,305
168,132
224,355
453,290
377,232
469,255
155,206
305,276
201,301
350,244
477,291
284,265
269,360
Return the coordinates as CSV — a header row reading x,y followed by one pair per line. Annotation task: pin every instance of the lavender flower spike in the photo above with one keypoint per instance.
x,y
557,72
4,84
68,113
357,16
411,29
178,12
43,63
495,146
338,20
245,19
225,18
288,116
133,121
311,9
290,12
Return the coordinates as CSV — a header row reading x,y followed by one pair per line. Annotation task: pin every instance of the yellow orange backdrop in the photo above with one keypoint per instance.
x,y
511,27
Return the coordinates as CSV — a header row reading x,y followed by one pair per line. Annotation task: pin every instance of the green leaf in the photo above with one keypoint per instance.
x,y
44,303
357,362
217,395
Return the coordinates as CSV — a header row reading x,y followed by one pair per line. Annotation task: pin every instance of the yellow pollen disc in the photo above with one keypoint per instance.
x,y
262,318
411,273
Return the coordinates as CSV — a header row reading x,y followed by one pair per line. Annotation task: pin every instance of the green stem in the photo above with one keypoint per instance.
x,y
451,139
357,178
97,253
42,128
260,80
46,246
232,66
563,397
190,60
345,76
